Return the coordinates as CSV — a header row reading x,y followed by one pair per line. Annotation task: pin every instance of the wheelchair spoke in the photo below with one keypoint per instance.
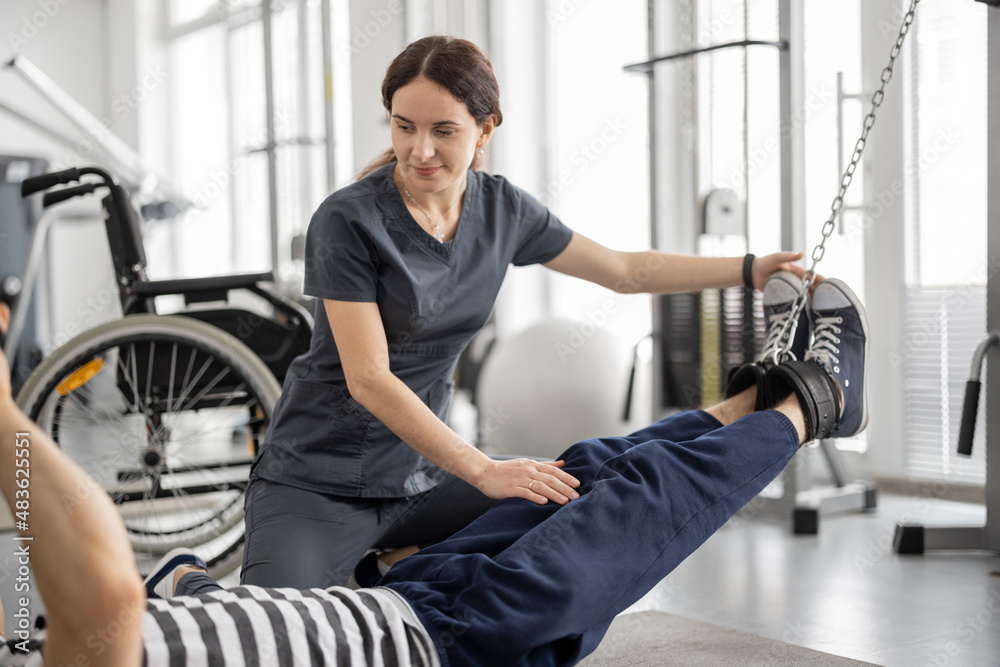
x,y
208,388
123,368
189,386
149,370
173,373
135,378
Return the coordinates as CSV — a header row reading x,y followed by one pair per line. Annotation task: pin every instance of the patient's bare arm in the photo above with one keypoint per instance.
x,y
78,549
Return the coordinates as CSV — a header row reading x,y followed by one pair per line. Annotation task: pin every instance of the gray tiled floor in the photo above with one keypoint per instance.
x,y
844,591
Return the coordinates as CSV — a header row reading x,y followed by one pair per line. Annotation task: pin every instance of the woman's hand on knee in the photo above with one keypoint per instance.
x,y
537,481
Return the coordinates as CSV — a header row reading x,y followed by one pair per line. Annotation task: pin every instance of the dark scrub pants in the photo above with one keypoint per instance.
x,y
332,480
331,533
530,584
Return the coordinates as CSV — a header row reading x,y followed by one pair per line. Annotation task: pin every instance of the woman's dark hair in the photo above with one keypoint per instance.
x,y
455,64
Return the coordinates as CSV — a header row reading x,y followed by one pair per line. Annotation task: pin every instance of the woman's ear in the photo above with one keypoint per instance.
x,y
487,130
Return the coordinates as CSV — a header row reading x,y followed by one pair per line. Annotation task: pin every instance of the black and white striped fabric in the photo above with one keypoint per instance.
x,y
15,653
250,626
280,627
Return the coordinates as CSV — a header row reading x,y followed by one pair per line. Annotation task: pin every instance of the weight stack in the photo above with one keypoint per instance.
x,y
703,337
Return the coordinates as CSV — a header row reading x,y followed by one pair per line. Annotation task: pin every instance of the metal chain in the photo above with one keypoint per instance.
x,y
788,329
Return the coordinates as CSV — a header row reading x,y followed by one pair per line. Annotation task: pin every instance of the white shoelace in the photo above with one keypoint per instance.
x,y
775,325
825,341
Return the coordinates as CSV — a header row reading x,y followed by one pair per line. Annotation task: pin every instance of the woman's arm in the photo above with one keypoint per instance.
x,y
660,273
360,337
75,543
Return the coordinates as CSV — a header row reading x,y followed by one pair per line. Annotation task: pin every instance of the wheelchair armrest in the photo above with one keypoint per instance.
x,y
196,290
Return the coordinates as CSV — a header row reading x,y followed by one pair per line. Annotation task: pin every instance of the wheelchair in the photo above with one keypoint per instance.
x,y
166,412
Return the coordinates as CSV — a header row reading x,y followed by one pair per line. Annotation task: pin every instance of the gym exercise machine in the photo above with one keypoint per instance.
x,y
799,501
915,538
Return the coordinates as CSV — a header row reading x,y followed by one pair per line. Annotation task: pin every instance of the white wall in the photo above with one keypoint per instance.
x,y
68,42
378,34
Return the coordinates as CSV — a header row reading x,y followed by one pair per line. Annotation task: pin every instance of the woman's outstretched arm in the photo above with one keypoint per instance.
x,y
661,273
74,540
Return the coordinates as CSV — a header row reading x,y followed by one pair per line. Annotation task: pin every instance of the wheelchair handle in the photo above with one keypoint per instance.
x,y
970,406
56,196
30,186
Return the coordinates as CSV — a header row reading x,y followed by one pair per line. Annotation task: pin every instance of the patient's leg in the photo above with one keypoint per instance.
x,y
643,511
506,521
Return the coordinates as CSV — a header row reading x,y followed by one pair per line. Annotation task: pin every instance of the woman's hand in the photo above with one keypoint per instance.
x,y
537,481
764,266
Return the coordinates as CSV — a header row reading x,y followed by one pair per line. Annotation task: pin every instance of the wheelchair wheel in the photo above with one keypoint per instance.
x,y
167,414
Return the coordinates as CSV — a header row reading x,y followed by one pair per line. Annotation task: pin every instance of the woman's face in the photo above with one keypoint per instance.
x,y
434,135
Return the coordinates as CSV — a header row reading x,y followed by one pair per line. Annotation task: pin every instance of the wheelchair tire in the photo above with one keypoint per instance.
x,y
167,414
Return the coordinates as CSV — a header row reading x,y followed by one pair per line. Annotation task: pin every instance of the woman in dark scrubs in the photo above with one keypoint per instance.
x,y
408,261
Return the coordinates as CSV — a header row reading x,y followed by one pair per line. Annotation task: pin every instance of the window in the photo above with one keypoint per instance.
x,y
599,178
945,301
219,132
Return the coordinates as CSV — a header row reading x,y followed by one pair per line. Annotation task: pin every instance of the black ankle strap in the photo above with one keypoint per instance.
x,y
815,389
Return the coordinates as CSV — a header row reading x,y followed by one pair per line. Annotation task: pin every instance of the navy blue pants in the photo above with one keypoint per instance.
x,y
534,584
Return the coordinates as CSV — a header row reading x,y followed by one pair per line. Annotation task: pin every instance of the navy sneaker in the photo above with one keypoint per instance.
x,y
840,345
160,581
780,292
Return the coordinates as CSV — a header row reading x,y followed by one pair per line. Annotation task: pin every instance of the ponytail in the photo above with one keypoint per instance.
x,y
382,159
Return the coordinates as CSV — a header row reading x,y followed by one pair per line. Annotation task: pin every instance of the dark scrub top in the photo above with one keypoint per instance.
x,y
363,245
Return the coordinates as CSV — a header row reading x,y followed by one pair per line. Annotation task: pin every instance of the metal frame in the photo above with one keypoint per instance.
x,y
992,529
